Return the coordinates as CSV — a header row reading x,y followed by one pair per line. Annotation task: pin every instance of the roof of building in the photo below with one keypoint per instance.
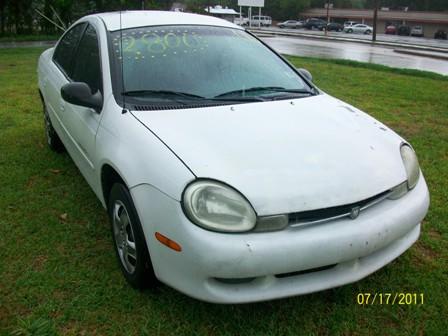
x,y
221,11
414,16
134,19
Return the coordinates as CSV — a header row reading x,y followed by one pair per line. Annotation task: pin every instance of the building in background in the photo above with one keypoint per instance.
x,y
430,21
225,13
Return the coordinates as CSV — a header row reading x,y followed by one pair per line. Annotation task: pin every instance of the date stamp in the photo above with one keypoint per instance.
x,y
390,299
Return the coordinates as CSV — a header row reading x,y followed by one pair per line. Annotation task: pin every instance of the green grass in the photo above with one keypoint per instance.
x,y
60,276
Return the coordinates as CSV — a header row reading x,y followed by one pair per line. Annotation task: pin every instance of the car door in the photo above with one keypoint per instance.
x,y
58,75
360,28
82,121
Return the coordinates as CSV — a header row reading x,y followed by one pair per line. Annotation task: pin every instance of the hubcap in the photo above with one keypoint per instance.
x,y
124,237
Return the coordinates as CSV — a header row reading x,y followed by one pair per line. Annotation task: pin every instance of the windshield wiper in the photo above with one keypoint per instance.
x,y
238,99
177,94
264,88
152,93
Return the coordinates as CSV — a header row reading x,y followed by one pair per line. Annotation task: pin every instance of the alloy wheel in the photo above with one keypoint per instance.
x,y
124,237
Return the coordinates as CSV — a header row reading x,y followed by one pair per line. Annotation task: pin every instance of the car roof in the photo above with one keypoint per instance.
x,y
135,19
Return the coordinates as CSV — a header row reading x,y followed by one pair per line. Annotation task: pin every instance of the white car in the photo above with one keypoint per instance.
x,y
292,24
241,21
227,174
350,23
263,21
358,28
417,31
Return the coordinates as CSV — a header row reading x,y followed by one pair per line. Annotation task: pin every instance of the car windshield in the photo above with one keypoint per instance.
x,y
187,63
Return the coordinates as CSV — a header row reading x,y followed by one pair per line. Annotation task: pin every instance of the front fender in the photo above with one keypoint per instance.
x,y
137,155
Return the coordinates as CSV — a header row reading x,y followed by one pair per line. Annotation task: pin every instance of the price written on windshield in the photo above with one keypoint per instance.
x,y
160,42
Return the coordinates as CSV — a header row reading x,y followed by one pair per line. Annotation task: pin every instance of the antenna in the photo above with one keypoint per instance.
x,y
58,17
50,20
122,65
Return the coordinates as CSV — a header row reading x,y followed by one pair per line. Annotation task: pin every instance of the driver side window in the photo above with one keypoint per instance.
x,y
64,52
87,66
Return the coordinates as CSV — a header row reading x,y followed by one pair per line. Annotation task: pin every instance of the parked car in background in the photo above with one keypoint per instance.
x,y
417,31
290,24
314,23
350,23
440,34
391,30
263,21
241,21
403,30
359,29
334,26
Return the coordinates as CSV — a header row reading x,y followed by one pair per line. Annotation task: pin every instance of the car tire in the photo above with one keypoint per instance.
x,y
53,140
129,241
368,32
349,31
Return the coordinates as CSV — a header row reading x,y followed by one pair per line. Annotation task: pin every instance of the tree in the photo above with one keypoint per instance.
x,y
286,9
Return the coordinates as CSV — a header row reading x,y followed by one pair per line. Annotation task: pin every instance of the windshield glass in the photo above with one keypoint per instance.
x,y
198,62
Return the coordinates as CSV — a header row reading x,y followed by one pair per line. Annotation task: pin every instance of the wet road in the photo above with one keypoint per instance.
x,y
27,44
355,51
420,41
327,49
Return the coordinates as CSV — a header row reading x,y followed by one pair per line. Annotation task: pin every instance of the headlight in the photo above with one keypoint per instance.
x,y
216,206
410,164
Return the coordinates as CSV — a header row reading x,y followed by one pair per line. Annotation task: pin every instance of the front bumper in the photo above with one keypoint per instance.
x,y
238,268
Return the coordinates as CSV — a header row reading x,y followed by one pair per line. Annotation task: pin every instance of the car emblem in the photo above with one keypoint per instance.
x,y
354,213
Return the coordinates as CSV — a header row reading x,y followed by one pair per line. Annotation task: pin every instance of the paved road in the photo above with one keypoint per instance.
x,y
327,49
355,51
422,41
27,44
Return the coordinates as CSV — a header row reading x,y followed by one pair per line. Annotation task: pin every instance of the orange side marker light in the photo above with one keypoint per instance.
x,y
168,242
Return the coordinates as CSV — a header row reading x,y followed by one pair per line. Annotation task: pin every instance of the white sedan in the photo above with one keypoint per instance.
x,y
359,29
293,24
227,174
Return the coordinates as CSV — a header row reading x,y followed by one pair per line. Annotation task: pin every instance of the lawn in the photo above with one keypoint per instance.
x,y
59,275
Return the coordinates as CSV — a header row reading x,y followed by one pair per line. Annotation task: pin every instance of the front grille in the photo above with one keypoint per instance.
x,y
307,271
327,214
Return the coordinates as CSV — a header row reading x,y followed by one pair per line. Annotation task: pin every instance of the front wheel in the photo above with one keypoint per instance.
x,y
368,32
350,31
129,240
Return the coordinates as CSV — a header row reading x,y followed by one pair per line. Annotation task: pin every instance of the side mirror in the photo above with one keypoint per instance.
x,y
305,73
79,93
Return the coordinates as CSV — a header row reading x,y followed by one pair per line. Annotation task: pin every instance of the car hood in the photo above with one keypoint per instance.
x,y
285,156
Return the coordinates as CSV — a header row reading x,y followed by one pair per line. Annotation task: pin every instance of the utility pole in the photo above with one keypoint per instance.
x,y
328,17
375,19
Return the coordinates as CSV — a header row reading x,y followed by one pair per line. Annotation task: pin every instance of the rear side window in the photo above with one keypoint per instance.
x,y
87,67
64,53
